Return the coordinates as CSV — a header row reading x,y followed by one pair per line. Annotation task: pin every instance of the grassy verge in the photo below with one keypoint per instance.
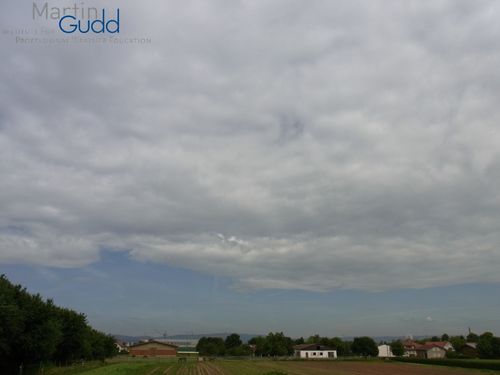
x,y
481,364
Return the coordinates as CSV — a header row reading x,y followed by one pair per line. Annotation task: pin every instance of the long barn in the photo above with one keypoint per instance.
x,y
153,348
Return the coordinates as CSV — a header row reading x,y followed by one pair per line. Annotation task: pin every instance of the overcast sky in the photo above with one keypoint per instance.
x,y
342,155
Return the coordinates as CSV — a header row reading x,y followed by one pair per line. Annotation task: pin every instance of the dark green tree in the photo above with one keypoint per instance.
x,y
299,341
211,346
472,337
240,351
75,342
33,330
364,346
458,342
343,347
101,346
315,339
259,343
277,344
488,346
232,341
397,348
324,341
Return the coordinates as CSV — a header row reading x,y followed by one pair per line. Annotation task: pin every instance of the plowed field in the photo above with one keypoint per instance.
x,y
260,367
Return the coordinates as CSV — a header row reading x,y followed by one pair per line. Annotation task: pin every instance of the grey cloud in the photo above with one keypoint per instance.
x,y
333,144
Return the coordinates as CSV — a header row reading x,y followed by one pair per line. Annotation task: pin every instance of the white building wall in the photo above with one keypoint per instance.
x,y
436,353
318,354
385,351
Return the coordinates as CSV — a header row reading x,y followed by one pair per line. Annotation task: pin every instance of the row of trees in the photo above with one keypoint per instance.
x,y
362,346
274,344
216,346
33,330
277,344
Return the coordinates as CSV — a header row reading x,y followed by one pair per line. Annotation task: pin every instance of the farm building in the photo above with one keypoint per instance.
x,y
314,351
469,350
384,351
430,351
153,348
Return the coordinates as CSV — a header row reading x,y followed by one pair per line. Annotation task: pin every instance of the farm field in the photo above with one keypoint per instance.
x,y
260,367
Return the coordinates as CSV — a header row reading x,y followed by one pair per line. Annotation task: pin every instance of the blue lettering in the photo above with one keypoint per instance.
x,y
97,26
116,22
80,27
99,22
73,25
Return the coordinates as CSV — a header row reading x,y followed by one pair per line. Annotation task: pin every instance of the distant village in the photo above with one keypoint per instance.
x,y
314,347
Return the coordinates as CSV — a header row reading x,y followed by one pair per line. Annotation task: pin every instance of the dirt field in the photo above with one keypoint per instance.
x,y
259,367
342,368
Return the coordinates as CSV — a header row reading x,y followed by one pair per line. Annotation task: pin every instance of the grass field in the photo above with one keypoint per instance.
x,y
260,367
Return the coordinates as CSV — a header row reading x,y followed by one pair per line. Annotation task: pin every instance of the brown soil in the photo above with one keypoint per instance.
x,y
373,368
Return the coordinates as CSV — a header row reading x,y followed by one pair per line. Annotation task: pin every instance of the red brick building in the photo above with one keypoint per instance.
x,y
153,348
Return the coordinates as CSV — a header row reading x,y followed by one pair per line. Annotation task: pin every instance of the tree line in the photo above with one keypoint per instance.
x,y
278,344
217,346
35,331
363,346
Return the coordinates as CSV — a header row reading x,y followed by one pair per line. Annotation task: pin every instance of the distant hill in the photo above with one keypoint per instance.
x,y
245,337
130,339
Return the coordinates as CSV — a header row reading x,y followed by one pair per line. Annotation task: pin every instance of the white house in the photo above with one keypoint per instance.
x,y
314,351
384,351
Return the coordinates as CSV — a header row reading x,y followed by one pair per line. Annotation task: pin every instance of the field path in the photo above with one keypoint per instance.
x,y
167,370
213,369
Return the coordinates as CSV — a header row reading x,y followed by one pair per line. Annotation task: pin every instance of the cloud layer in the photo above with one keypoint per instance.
x,y
289,145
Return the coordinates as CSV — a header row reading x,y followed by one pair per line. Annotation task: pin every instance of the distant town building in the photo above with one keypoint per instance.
x,y
429,350
410,348
314,351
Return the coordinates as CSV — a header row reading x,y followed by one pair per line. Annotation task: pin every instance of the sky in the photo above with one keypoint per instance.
x,y
327,167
